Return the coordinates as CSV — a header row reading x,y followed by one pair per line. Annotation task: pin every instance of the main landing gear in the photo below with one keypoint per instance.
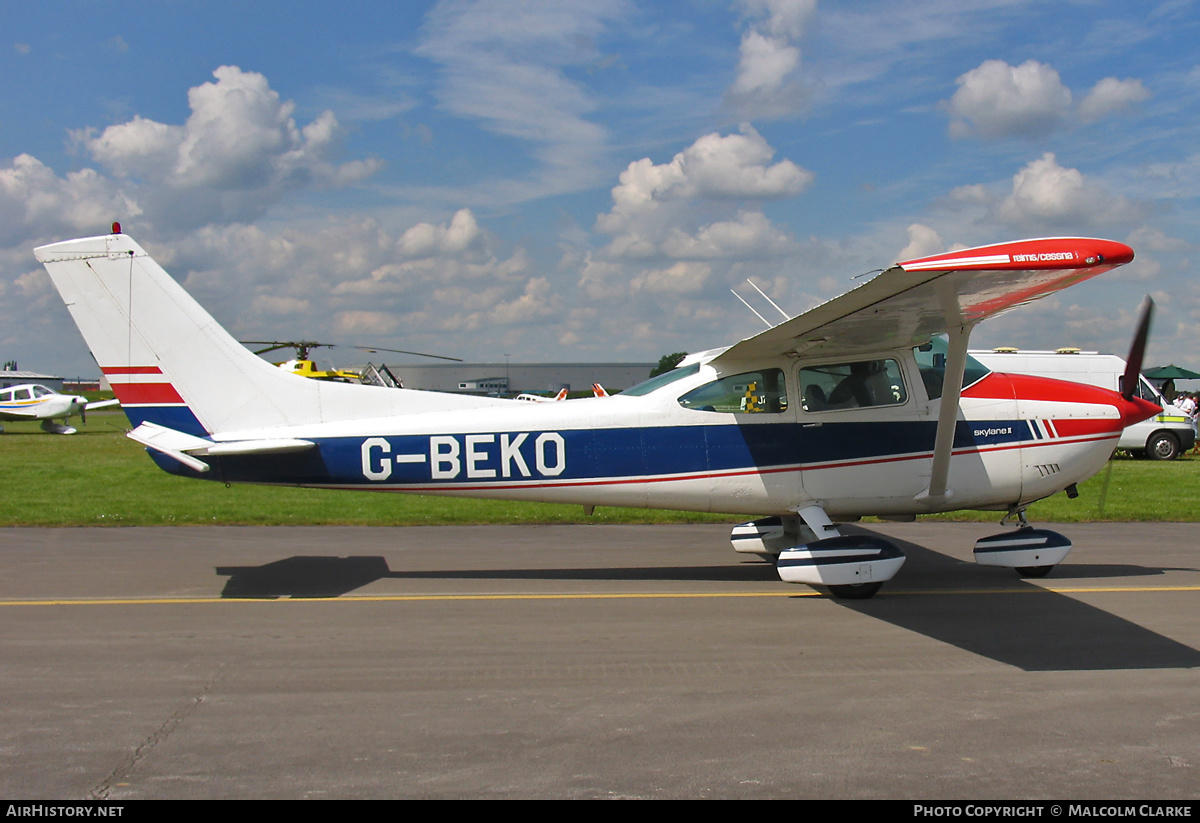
x,y
808,548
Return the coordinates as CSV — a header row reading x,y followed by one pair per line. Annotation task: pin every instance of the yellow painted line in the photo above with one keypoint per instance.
x,y
391,598
402,598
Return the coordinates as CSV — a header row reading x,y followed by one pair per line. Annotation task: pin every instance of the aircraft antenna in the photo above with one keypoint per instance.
x,y
786,316
751,308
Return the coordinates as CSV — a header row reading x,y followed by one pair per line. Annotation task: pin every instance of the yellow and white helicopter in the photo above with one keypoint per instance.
x,y
866,405
305,366
33,401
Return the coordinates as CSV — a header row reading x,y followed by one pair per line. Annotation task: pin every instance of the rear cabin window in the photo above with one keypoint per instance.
x,y
857,385
756,392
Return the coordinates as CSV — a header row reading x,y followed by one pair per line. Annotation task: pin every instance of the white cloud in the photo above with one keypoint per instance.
x,y
682,278
766,85
35,202
999,100
425,239
1045,194
1111,95
715,167
682,233
239,151
922,242
748,236
765,62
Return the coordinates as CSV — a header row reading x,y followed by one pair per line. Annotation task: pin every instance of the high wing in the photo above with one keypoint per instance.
x,y
948,294
912,301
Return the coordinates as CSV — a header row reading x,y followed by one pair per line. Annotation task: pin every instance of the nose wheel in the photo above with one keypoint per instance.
x,y
1031,552
858,591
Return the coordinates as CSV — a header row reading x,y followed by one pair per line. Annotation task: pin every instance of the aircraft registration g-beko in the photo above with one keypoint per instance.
x,y
865,405
33,401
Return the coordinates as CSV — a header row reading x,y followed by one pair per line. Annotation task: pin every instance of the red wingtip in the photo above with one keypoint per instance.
x,y
1042,253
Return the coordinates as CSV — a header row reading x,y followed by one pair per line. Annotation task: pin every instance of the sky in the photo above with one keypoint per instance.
x,y
588,180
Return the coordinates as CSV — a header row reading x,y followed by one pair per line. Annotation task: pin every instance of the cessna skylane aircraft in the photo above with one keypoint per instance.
x,y
33,401
865,405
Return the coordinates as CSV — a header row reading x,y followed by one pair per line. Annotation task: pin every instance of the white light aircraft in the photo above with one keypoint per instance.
x,y
538,398
33,401
865,405
597,391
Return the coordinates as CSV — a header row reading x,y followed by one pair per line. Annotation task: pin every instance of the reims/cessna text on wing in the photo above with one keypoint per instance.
x,y
33,401
865,405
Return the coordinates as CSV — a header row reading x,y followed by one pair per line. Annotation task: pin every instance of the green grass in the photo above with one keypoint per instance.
x,y
99,477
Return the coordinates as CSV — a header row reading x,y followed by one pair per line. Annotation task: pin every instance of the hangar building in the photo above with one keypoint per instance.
x,y
513,378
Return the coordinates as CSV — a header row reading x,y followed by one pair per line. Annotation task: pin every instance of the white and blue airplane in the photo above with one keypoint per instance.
x,y
865,405
33,401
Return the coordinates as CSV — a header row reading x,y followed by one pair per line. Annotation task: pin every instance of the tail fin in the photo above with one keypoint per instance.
x,y
170,363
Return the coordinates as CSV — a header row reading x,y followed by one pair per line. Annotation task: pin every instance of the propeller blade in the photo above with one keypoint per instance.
x,y
1137,352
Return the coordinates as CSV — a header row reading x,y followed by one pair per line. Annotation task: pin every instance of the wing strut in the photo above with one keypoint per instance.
x,y
943,442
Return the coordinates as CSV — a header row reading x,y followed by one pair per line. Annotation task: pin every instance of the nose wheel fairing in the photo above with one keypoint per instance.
x,y
1031,551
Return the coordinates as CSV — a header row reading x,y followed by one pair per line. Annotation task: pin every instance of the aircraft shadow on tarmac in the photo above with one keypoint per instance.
x,y
993,613
318,576
985,611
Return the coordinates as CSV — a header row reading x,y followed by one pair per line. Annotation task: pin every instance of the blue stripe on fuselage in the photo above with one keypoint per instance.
x,y
589,454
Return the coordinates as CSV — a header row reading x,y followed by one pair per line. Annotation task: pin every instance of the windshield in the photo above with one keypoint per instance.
x,y
655,383
931,360
1146,391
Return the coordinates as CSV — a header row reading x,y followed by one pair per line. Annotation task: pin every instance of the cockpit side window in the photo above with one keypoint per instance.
x,y
852,385
757,392
931,361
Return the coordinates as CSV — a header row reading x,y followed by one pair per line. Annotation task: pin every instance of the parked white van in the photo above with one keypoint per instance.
x,y
1163,437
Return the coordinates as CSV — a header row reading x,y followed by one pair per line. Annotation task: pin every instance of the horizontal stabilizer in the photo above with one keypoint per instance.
x,y
182,446
170,442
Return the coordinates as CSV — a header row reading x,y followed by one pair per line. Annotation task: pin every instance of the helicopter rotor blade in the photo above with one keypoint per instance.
x,y
402,351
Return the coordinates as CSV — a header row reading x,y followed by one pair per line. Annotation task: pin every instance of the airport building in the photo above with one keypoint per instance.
x,y
12,377
514,378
